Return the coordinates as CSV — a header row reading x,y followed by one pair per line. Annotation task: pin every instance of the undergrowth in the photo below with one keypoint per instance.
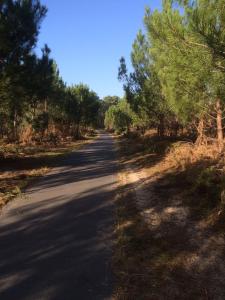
x,y
147,266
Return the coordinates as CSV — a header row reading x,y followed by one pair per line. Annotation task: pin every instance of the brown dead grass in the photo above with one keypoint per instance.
x,y
171,245
183,154
21,164
12,183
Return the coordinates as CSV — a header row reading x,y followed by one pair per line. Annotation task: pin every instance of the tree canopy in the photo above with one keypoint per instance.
x,y
178,69
33,96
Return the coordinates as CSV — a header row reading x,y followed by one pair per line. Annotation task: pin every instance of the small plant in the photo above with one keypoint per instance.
x,y
206,179
2,152
52,139
211,183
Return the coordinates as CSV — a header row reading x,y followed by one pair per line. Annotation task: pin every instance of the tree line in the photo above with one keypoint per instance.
x,y
178,80
35,102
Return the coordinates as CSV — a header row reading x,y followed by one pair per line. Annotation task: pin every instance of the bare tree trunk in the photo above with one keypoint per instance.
x,y
200,129
45,106
77,132
176,127
219,124
161,129
46,111
15,131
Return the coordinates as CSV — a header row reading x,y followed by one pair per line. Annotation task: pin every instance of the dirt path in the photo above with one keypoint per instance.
x,y
56,242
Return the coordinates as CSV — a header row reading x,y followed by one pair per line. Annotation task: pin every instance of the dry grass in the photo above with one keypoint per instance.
x,y
183,154
12,183
177,251
20,164
129,263
14,151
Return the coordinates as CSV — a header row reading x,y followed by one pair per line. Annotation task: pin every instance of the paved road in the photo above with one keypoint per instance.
x,y
56,243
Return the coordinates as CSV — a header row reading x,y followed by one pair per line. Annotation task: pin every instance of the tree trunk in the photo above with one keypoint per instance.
x,y
219,125
15,131
142,130
176,127
161,129
77,132
200,129
45,106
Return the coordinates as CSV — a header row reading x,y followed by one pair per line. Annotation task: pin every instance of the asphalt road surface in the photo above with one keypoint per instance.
x,y
56,242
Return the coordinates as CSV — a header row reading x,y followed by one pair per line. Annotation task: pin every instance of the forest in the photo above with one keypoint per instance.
x,y
177,82
130,188
176,86
36,104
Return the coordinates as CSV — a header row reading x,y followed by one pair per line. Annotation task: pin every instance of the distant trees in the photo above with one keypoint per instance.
x,y
119,117
34,100
105,104
82,107
179,66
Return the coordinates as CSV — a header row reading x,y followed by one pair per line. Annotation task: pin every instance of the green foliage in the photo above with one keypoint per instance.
x,y
179,66
119,117
40,122
104,105
206,179
31,89
143,87
183,70
83,105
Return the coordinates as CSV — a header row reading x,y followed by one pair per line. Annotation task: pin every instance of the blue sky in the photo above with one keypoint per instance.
x,y
88,37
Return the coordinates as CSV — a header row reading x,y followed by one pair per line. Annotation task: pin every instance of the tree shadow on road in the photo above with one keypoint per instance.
x,y
58,249
60,246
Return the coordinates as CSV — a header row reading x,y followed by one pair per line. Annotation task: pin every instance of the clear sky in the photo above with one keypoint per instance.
x,y
88,37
